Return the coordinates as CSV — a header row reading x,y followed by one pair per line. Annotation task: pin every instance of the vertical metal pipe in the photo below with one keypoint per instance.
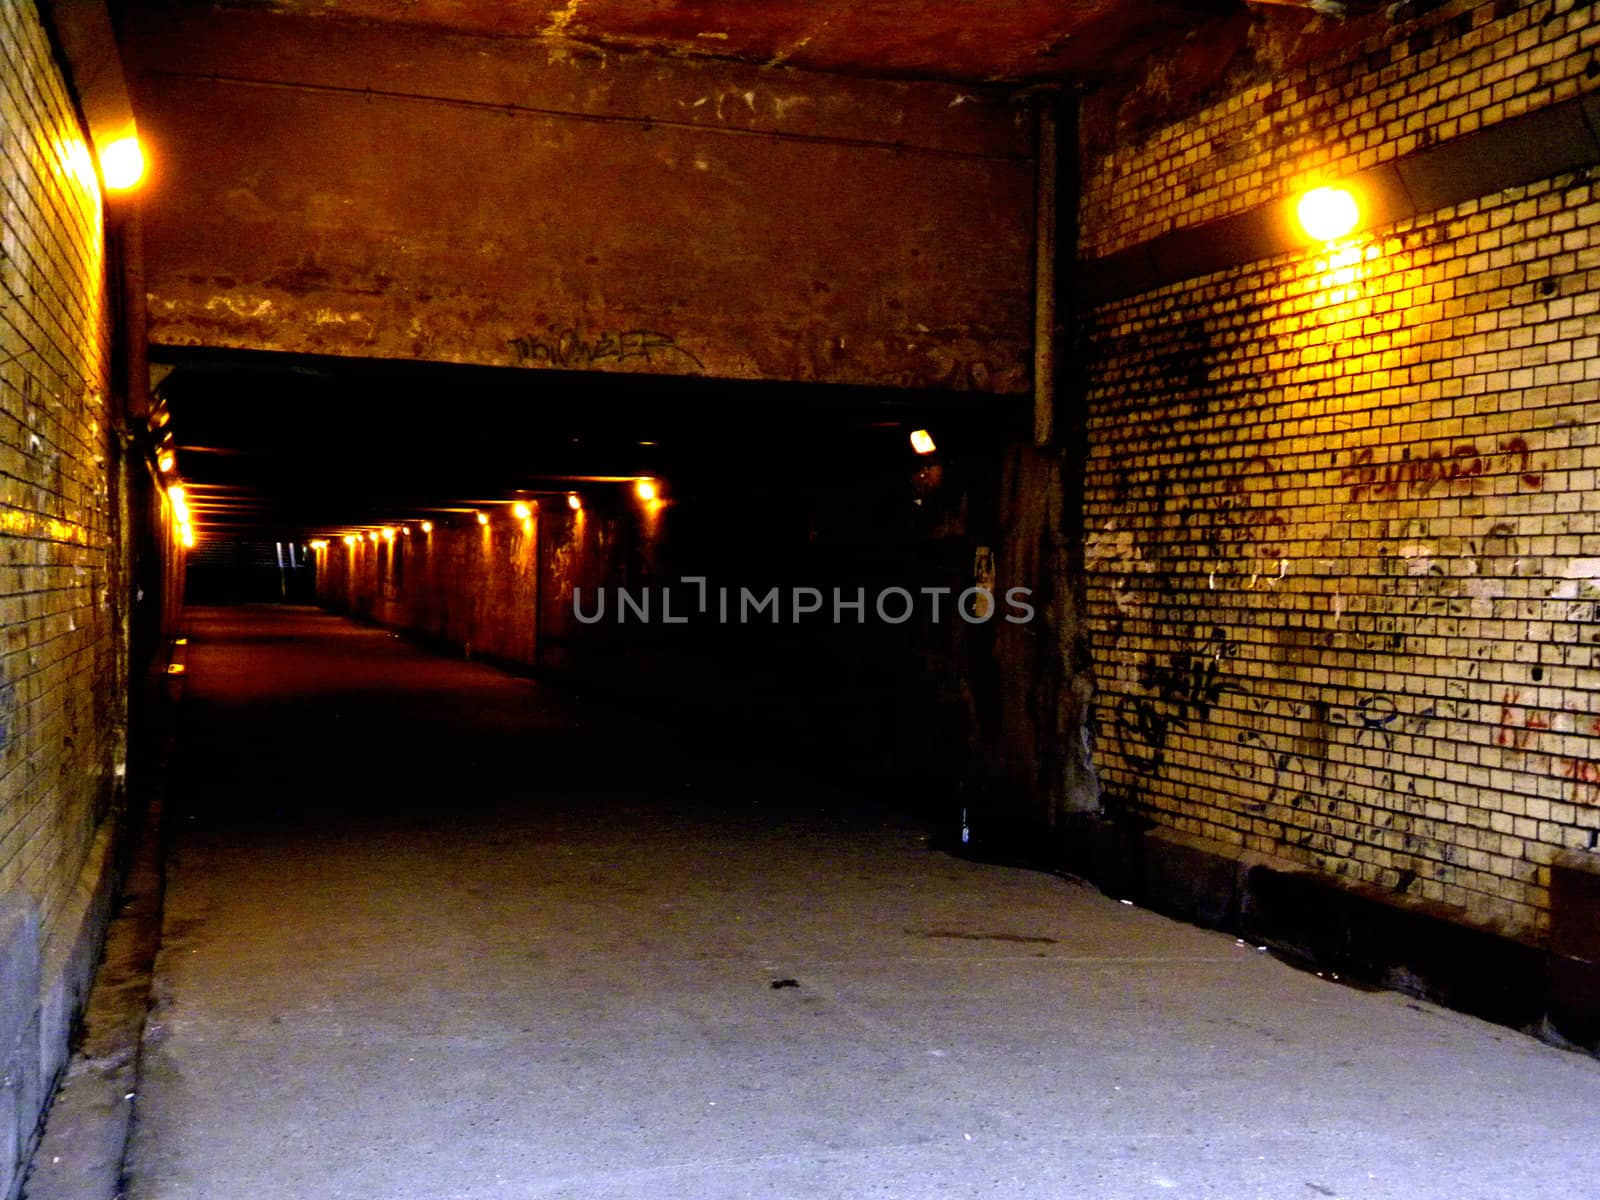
x,y
1046,222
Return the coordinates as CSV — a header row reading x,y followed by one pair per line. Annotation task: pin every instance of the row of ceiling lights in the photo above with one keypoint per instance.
x,y
647,490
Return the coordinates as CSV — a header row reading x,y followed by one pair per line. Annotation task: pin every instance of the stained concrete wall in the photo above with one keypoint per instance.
x,y
331,188
1342,545
63,485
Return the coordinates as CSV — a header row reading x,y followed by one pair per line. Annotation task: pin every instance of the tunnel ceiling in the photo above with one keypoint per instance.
x,y
282,446
964,40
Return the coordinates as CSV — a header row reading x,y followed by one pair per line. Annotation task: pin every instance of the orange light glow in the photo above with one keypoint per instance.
x,y
922,442
349,539
646,490
186,536
180,504
427,527
483,518
1327,213
388,533
574,502
405,530
521,511
175,668
122,163
374,536
167,461
80,165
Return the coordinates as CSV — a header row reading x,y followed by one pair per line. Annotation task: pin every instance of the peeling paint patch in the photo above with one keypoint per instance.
x,y
239,308
561,20
782,104
783,56
326,316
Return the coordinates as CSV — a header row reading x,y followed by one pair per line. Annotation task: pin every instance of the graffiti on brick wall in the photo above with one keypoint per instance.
x,y
1249,517
1375,719
1527,729
1173,696
1456,468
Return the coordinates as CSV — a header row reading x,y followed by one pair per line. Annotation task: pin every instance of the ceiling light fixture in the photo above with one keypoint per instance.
x,y
122,163
1328,213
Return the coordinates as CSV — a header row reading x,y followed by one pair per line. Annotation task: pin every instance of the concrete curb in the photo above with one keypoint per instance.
x,y
1363,933
84,1142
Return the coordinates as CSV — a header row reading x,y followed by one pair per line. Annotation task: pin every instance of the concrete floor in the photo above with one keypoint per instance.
x,y
432,931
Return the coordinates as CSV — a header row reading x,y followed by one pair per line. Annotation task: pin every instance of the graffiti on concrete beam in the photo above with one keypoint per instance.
x,y
573,349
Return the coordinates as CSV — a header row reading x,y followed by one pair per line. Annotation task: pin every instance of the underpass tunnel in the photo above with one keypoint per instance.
x,y
620,598
773,570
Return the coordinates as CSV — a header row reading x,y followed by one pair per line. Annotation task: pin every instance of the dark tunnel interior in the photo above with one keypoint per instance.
x,y
621,599
764,486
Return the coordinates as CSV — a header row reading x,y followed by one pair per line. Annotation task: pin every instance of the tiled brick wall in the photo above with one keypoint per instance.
x,y
1343,530
61,708
1463,67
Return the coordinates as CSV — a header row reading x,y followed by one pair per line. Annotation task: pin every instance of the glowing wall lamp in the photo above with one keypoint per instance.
x,y
574,502
186,535
167,460
922,441
521,511
180,504
388,533
122,163
646,490
1328,213
427,527
483,518
349,539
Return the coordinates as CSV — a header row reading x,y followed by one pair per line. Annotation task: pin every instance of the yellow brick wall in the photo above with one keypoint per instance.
x,y
1343,531
60,712
1461,68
